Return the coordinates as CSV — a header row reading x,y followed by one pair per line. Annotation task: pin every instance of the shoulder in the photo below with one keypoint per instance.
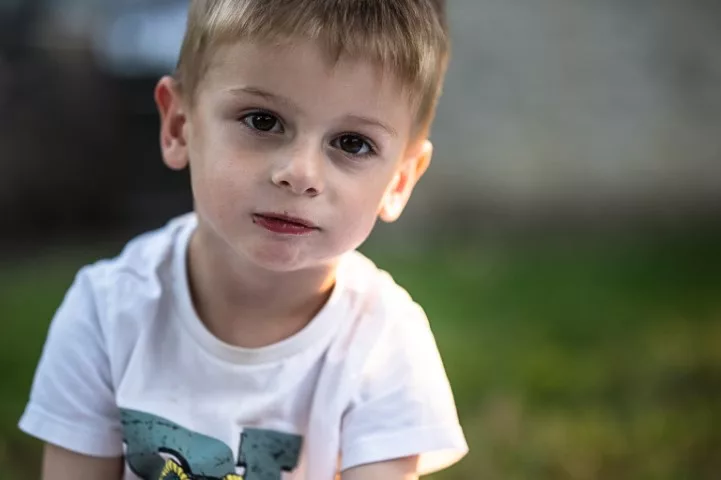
x,y
388,321
381,296
145,256
143,265
123,293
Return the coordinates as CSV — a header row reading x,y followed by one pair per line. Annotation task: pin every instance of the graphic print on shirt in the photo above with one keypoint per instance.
x,y
187,455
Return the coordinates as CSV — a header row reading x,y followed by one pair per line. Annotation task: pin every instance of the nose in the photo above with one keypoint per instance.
x,y
300,172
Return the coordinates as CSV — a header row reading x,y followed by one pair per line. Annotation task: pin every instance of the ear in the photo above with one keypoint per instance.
x,y
412,168
173,143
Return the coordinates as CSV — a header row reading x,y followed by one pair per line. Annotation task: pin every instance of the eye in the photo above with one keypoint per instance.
x,y
263,122
354,145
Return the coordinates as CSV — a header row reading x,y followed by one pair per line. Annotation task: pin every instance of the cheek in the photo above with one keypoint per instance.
x,y
221,183
364,194
361,205
354,230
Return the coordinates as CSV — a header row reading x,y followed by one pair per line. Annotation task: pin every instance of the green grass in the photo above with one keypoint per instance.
x,y
585,360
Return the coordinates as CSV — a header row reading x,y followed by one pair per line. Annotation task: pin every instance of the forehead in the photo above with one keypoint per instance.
x,y
301,72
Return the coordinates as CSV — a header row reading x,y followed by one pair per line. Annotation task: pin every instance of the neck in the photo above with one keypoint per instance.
x,y
245,305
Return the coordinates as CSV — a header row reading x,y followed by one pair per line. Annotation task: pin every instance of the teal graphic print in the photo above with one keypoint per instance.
x,y
263,454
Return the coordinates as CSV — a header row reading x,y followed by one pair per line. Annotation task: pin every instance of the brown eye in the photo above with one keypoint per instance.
x,y
262,121
353,144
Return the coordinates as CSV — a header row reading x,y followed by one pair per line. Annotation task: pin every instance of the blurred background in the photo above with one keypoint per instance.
x,y
565,242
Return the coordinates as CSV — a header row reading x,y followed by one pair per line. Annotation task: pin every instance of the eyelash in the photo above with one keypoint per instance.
x,y
372,150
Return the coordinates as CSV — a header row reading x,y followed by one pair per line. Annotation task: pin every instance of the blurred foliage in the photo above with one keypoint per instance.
x,y
569,360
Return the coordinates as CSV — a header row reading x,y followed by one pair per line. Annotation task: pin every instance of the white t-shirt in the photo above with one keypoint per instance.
x,y
129,369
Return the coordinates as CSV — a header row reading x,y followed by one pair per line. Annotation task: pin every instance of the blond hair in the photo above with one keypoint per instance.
x,y
408,38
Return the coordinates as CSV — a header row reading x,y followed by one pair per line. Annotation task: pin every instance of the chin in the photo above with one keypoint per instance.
x,y
278,265
276,258
280,258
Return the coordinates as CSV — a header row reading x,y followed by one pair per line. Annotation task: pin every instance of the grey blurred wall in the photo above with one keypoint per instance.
x,y
598,106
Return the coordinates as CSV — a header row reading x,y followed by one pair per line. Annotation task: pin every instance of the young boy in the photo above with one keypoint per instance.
x,y
249,339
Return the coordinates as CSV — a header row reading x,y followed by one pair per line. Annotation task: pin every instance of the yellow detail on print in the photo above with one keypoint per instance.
x,y
173,471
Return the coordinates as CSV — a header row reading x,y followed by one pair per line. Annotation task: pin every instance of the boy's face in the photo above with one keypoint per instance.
x,y
275,131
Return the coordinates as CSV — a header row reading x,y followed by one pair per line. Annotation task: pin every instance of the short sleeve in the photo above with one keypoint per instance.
x,y
72,403
404,405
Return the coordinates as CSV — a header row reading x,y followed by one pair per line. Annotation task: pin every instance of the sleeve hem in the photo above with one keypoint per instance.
x,y
51,429
439,447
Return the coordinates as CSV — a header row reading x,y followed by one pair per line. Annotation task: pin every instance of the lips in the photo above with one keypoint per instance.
x,y
284,224
288,219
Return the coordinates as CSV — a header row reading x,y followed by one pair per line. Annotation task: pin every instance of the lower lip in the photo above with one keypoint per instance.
x,y
280,226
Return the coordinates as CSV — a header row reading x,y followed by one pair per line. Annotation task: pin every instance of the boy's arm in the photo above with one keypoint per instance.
x,y
400,469
62,464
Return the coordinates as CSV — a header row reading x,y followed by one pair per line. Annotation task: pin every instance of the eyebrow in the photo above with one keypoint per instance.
x,y
259,92
372,122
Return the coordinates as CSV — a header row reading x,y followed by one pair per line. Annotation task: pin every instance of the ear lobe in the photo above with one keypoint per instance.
x,y
399,191
173,144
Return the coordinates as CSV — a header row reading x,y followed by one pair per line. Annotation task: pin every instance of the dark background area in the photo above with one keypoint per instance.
x,y
79,139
